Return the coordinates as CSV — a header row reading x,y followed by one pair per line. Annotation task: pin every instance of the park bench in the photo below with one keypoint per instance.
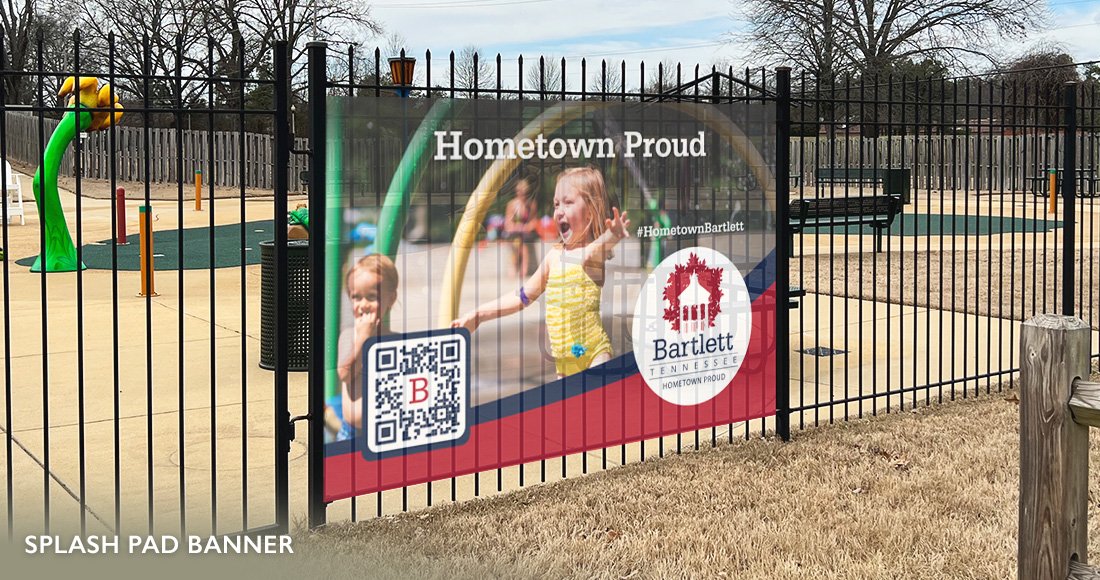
x,y
877,211
1086,182
894,182
794,296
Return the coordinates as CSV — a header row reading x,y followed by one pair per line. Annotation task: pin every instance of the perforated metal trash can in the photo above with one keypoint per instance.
x,y
297,257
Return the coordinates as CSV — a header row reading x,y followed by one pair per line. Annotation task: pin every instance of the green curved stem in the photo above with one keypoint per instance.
x,y
395,209
391,220
334,166
58,248
656,255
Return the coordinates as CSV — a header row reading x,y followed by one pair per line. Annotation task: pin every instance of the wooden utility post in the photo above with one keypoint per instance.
x,y
1054,352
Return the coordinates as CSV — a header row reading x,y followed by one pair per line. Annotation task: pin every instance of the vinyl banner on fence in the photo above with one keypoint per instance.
x,y
514,280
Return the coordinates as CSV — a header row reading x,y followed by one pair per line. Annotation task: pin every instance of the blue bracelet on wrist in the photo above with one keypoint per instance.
x,y
523,297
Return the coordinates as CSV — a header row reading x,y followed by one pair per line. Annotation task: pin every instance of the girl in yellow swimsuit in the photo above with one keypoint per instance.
x,y
571,275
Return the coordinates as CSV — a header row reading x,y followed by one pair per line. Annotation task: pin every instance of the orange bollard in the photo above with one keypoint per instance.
x,y
198,190
146,255
1053,188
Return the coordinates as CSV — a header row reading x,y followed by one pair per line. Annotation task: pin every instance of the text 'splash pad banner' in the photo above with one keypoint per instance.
x,y
511,281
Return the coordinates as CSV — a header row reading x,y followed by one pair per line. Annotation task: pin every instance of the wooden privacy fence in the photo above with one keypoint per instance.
x,y
1057,407
975,162
219,159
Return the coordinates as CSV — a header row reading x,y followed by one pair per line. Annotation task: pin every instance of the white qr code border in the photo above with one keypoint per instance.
x,y
391,425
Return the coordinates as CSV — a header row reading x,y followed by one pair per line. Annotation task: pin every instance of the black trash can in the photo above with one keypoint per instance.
x,y
897,182
297,258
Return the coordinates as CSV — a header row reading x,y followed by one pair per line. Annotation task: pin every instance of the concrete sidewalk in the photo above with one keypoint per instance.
x,y
219,321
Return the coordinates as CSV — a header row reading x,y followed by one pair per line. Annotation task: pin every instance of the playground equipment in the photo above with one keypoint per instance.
x,y
94,108
656,215
146,256
1052,186
297,222
395,210
198,190
120,217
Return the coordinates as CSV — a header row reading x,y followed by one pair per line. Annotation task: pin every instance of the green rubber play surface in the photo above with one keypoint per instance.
x,y
196,248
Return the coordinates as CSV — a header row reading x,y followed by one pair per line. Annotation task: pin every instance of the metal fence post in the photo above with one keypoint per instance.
x,y
318,78
282,162
1053,517
782,254
1069,186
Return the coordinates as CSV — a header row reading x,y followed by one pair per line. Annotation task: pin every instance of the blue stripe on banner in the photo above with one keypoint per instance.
x,y
761,277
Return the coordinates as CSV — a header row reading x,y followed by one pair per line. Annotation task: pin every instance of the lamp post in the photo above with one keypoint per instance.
x,y
401,71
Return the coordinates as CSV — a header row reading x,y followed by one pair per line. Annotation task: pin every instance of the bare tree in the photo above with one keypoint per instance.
x,y
606,78
28,25
339,22
396,43
543,74
137,40
19,41
472,70
229,39
1033,82
798,33
824,36
661,78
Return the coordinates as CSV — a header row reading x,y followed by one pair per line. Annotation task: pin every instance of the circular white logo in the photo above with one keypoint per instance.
x,y
692,324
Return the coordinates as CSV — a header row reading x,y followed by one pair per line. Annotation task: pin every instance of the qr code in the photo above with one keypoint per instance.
x,y
416,390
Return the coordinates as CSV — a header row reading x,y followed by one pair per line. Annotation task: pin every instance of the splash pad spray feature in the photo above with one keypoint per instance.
x,y
94,108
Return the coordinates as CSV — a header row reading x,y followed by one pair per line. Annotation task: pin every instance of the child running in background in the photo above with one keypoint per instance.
x,y
571,274
371,285
519,226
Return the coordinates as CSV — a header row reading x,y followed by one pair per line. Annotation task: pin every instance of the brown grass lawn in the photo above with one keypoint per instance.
x,y
929,493
988,283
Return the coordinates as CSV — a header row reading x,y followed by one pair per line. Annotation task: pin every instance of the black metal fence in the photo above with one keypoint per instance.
x,y
125,412
979,246
973,245
135,414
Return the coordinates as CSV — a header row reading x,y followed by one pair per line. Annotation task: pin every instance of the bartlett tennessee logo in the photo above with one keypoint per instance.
x,y
693,293
692,324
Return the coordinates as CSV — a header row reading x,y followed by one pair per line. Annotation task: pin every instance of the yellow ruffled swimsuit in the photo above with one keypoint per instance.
x,y
573,315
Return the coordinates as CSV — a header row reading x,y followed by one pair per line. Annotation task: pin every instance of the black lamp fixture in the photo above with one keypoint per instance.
x,y
401,71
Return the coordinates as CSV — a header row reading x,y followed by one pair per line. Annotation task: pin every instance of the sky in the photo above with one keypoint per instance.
x,y
686,31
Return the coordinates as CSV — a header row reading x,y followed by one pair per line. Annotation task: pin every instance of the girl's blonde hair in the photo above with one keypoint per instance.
x,y
380,266
588,182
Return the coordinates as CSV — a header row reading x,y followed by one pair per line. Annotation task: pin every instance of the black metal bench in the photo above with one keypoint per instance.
x,y
877,211
895,181
794,295
1086,182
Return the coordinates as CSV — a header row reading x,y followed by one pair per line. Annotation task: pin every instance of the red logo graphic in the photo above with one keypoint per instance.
x,y
693,293
417,389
